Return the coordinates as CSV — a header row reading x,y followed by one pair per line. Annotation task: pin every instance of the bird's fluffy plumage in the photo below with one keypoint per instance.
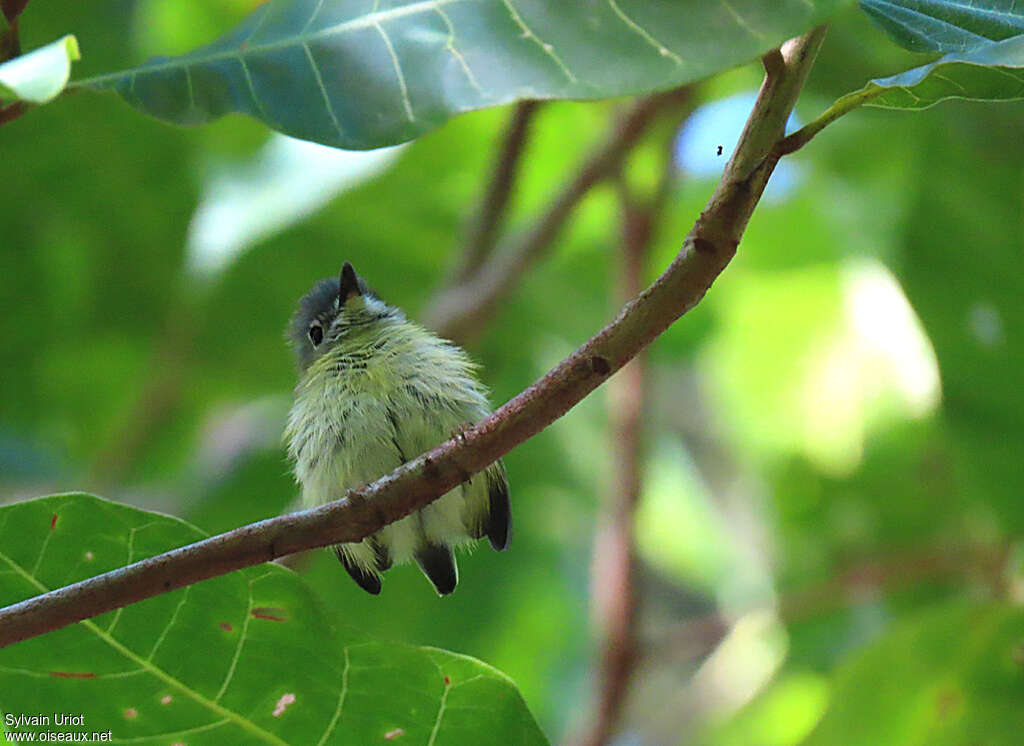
x,y
377,391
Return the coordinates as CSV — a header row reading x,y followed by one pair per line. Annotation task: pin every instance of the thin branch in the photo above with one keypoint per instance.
x,y
706,251
10,42
484,231
461,310
613,571
12,9
12,111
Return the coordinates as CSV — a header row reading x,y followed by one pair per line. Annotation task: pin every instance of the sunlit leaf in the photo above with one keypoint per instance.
x,y
37,77
248,657
361,76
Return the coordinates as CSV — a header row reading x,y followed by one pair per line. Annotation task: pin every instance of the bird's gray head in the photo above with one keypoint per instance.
x,y
333,308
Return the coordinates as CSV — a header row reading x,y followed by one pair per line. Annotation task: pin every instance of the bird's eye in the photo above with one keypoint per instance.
x,y
316,333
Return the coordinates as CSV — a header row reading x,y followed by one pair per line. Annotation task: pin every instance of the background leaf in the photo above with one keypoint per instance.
x,y
245,658
349,75
964,683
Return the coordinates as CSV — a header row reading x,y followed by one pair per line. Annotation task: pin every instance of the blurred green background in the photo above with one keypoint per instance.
x,y
834,438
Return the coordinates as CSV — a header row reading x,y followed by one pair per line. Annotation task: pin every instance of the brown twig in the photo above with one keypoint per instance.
x,y
706,250
460,311
613,581
12,9
12,111
487,222
10,42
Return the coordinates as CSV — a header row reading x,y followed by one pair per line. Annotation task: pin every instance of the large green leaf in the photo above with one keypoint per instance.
x,y
37,77
993,71
363,75
946,25
984,58
245,658
952,676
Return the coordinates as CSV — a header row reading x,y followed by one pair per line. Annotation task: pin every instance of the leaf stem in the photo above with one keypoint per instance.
x,y
846,104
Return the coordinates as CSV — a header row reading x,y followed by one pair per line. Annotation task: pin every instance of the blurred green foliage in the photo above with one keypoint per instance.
x,y
853,526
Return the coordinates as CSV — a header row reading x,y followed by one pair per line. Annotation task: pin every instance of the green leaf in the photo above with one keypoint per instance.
x,y
992,72
945,25
983,63
357,76
952,676
248,657
37,77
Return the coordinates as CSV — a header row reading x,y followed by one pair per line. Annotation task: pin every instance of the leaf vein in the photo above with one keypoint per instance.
x,y
440,714
741,21
323,90
450,46
648,37
238,649
548,49
406,103
341,701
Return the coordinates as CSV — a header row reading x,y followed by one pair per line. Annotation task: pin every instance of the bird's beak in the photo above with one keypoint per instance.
x,y
349,285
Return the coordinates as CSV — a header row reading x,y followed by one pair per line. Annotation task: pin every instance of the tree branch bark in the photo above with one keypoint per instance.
x,y
706,250
484,228
613,567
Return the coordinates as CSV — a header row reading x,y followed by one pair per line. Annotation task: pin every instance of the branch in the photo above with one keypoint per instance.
x,y
10,42
483,233
706,251
12,9
613,571
10,112
460,311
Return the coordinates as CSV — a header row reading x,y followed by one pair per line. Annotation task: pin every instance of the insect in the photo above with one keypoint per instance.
x,y
374,391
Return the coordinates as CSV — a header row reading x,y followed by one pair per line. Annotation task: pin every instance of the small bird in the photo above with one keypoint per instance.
x,y
374,391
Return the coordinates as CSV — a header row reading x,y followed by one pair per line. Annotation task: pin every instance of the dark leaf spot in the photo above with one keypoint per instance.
x,y
270,613
447,681
53,522
226,627
72,675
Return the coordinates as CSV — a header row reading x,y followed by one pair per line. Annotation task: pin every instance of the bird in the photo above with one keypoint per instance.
x,y
375,390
